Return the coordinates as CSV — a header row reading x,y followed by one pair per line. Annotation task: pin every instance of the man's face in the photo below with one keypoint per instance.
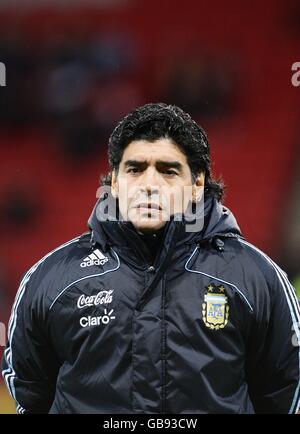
x,y
153,182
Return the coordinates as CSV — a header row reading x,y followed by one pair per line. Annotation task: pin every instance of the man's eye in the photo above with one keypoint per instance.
x,y
133,170
169,172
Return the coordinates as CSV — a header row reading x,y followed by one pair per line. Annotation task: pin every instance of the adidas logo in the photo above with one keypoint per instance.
x,y
95,258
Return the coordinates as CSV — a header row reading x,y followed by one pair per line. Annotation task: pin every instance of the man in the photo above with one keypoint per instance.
x,y
162,307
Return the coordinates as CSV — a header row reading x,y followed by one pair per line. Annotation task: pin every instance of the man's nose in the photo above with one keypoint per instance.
x,y
151,181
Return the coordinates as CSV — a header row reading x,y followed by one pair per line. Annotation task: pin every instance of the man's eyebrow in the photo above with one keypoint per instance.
x,y
159,163
174,164
128,163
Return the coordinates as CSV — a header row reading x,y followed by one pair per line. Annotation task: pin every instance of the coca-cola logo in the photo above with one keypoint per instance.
x,y
103,297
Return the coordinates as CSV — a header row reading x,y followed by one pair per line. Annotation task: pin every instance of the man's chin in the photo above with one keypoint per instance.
x,y
149,225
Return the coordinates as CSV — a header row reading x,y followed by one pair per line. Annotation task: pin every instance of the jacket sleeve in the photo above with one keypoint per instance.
x,y
29,365
273,355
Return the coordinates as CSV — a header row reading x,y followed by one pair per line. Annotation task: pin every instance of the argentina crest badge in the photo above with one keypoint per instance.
x,y
215,309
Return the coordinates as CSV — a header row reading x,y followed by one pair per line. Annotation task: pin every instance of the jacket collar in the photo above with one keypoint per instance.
x,y
218,221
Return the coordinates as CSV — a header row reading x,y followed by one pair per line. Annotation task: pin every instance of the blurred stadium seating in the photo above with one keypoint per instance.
x,y
72,73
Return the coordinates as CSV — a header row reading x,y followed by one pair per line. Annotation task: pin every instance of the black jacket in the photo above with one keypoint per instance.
x,y
208,328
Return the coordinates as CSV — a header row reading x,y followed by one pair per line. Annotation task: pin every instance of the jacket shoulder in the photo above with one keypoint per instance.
x,y
54,269
257,262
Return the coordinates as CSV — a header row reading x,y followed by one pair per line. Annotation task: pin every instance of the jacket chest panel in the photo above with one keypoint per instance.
x,y
96,310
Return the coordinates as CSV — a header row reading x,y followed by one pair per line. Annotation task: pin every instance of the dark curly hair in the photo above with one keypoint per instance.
x,y
154,121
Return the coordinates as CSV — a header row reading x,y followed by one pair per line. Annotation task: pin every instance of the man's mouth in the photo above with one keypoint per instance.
x,y
148,206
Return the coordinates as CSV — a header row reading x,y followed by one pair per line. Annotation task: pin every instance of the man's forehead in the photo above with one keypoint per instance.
x,y
163,149
154,157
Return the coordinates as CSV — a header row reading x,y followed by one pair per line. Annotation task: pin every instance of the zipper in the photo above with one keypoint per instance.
x,y
147,266
152,268
149,269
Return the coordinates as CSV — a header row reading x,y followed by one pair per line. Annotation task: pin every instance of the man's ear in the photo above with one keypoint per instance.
x,y
198,187
114,184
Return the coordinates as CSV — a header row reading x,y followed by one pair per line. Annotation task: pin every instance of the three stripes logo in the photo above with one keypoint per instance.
x,y
95,258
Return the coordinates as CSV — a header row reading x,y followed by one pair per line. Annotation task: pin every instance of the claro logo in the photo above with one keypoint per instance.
x,y
296,75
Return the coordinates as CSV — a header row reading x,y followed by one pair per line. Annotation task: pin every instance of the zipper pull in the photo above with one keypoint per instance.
x,y
151,269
